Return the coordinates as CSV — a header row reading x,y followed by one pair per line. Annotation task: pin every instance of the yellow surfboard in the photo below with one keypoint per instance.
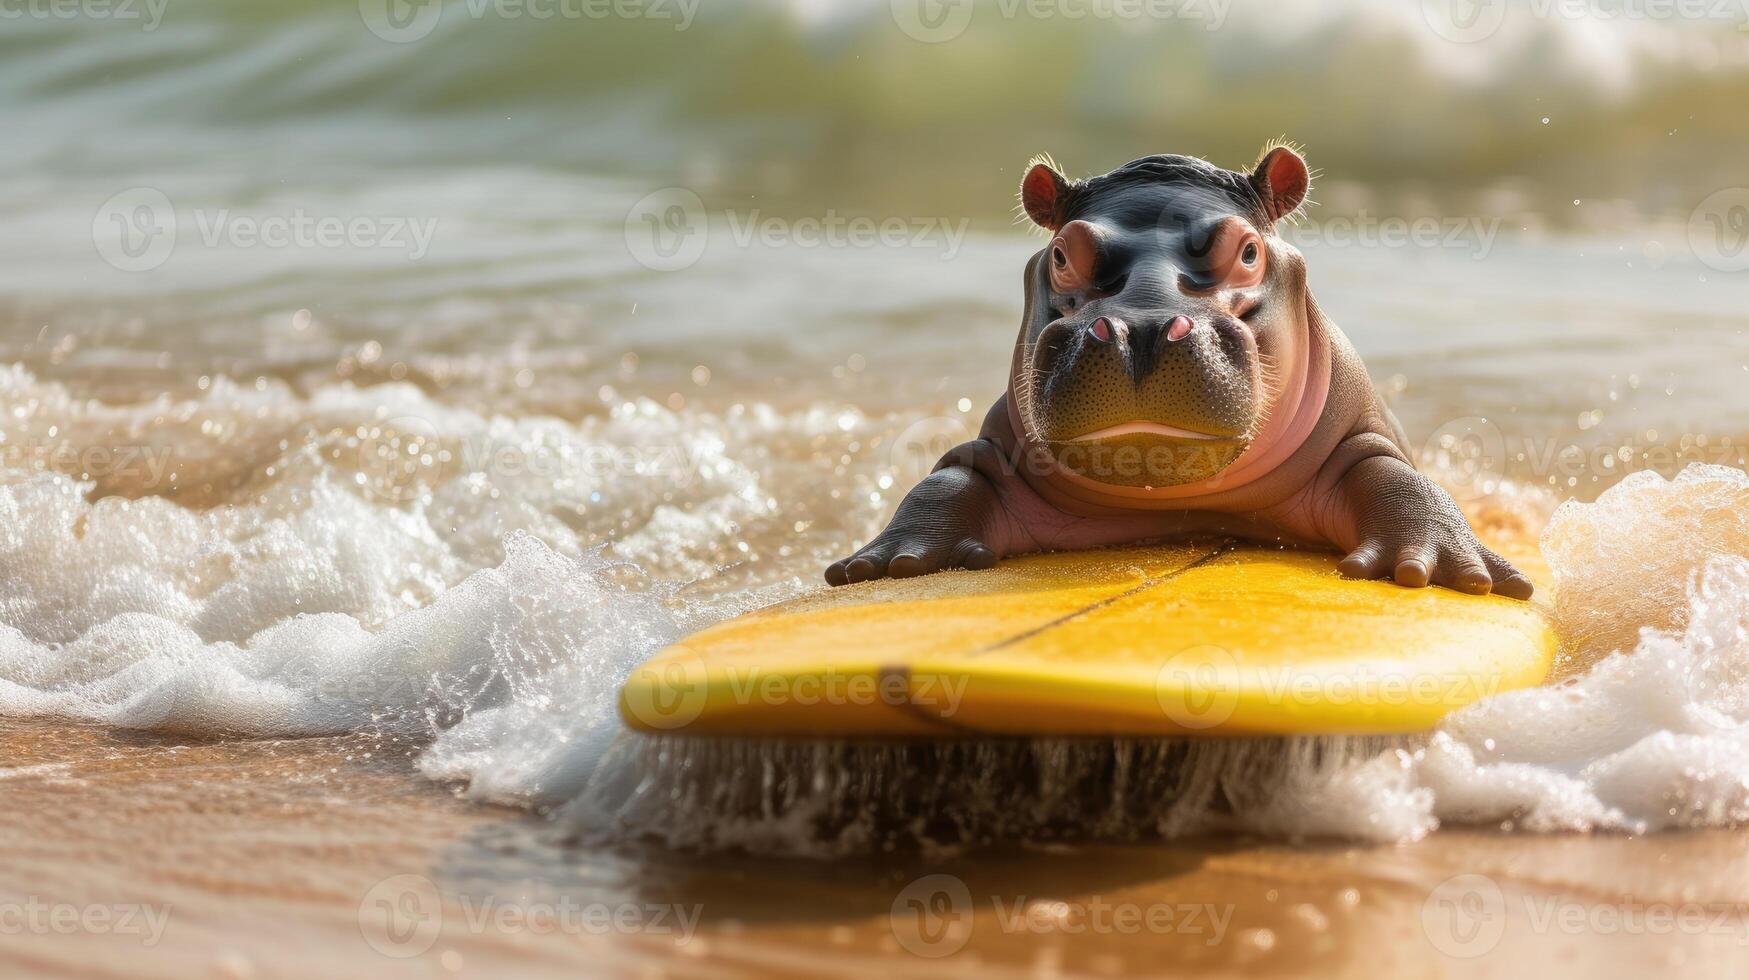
x,y
1213,639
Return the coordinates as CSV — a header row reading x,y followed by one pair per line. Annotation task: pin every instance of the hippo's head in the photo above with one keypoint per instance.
x,y
1159,315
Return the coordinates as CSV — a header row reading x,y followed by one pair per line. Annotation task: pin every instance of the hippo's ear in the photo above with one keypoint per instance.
x,y
1281,180
1043,192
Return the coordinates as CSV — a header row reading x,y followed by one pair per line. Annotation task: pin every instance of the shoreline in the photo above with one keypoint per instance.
x,y
331,856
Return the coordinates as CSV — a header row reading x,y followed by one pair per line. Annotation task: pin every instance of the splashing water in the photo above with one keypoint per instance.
x,y
483,607
1653,734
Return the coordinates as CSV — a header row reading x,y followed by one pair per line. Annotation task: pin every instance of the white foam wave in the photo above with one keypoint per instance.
x,y
1646,734
1648,737
380,563
502,635
372,557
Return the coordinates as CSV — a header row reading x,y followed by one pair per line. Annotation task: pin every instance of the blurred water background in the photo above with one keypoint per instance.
x,y
1511,191
464,352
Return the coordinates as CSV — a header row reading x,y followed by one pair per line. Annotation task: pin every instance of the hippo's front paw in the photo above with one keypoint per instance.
x,y
903,555
939,525
1411,531
1435,558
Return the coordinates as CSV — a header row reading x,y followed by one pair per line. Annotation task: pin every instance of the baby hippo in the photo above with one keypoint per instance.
x,y
1173,377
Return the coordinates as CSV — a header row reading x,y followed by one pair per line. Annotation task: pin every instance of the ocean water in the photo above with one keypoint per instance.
x,y
453,465
498,608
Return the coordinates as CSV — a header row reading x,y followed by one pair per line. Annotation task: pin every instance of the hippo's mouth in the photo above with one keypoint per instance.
x,y
1141,427
1166,417
1147,454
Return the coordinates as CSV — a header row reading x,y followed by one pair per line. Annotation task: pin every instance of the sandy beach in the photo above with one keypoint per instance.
x,y
330,857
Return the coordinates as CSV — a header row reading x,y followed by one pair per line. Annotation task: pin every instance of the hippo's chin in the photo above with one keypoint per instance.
x,y
1145,457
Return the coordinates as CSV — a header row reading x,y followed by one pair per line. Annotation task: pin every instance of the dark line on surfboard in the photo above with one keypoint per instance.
x,y
948,725
1221,550
914,710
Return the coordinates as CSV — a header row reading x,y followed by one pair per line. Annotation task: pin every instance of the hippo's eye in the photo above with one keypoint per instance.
x,y
1236,257
1073,258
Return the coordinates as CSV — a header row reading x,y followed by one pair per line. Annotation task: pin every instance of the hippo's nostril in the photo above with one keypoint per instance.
x,y
1179,328
1103,330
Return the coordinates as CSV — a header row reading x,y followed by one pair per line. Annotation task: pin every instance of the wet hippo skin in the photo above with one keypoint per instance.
x,y
1174,376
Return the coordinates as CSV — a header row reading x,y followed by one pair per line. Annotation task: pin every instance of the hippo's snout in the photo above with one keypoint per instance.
x,y
1106,330
1145,400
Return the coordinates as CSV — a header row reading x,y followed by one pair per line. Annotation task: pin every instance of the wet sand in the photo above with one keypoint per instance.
x,y
135,855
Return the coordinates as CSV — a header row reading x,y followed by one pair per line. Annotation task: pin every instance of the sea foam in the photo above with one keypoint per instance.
x,y
495,608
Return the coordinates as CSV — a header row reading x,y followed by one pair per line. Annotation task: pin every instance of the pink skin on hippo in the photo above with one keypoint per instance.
x,y
1173,376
